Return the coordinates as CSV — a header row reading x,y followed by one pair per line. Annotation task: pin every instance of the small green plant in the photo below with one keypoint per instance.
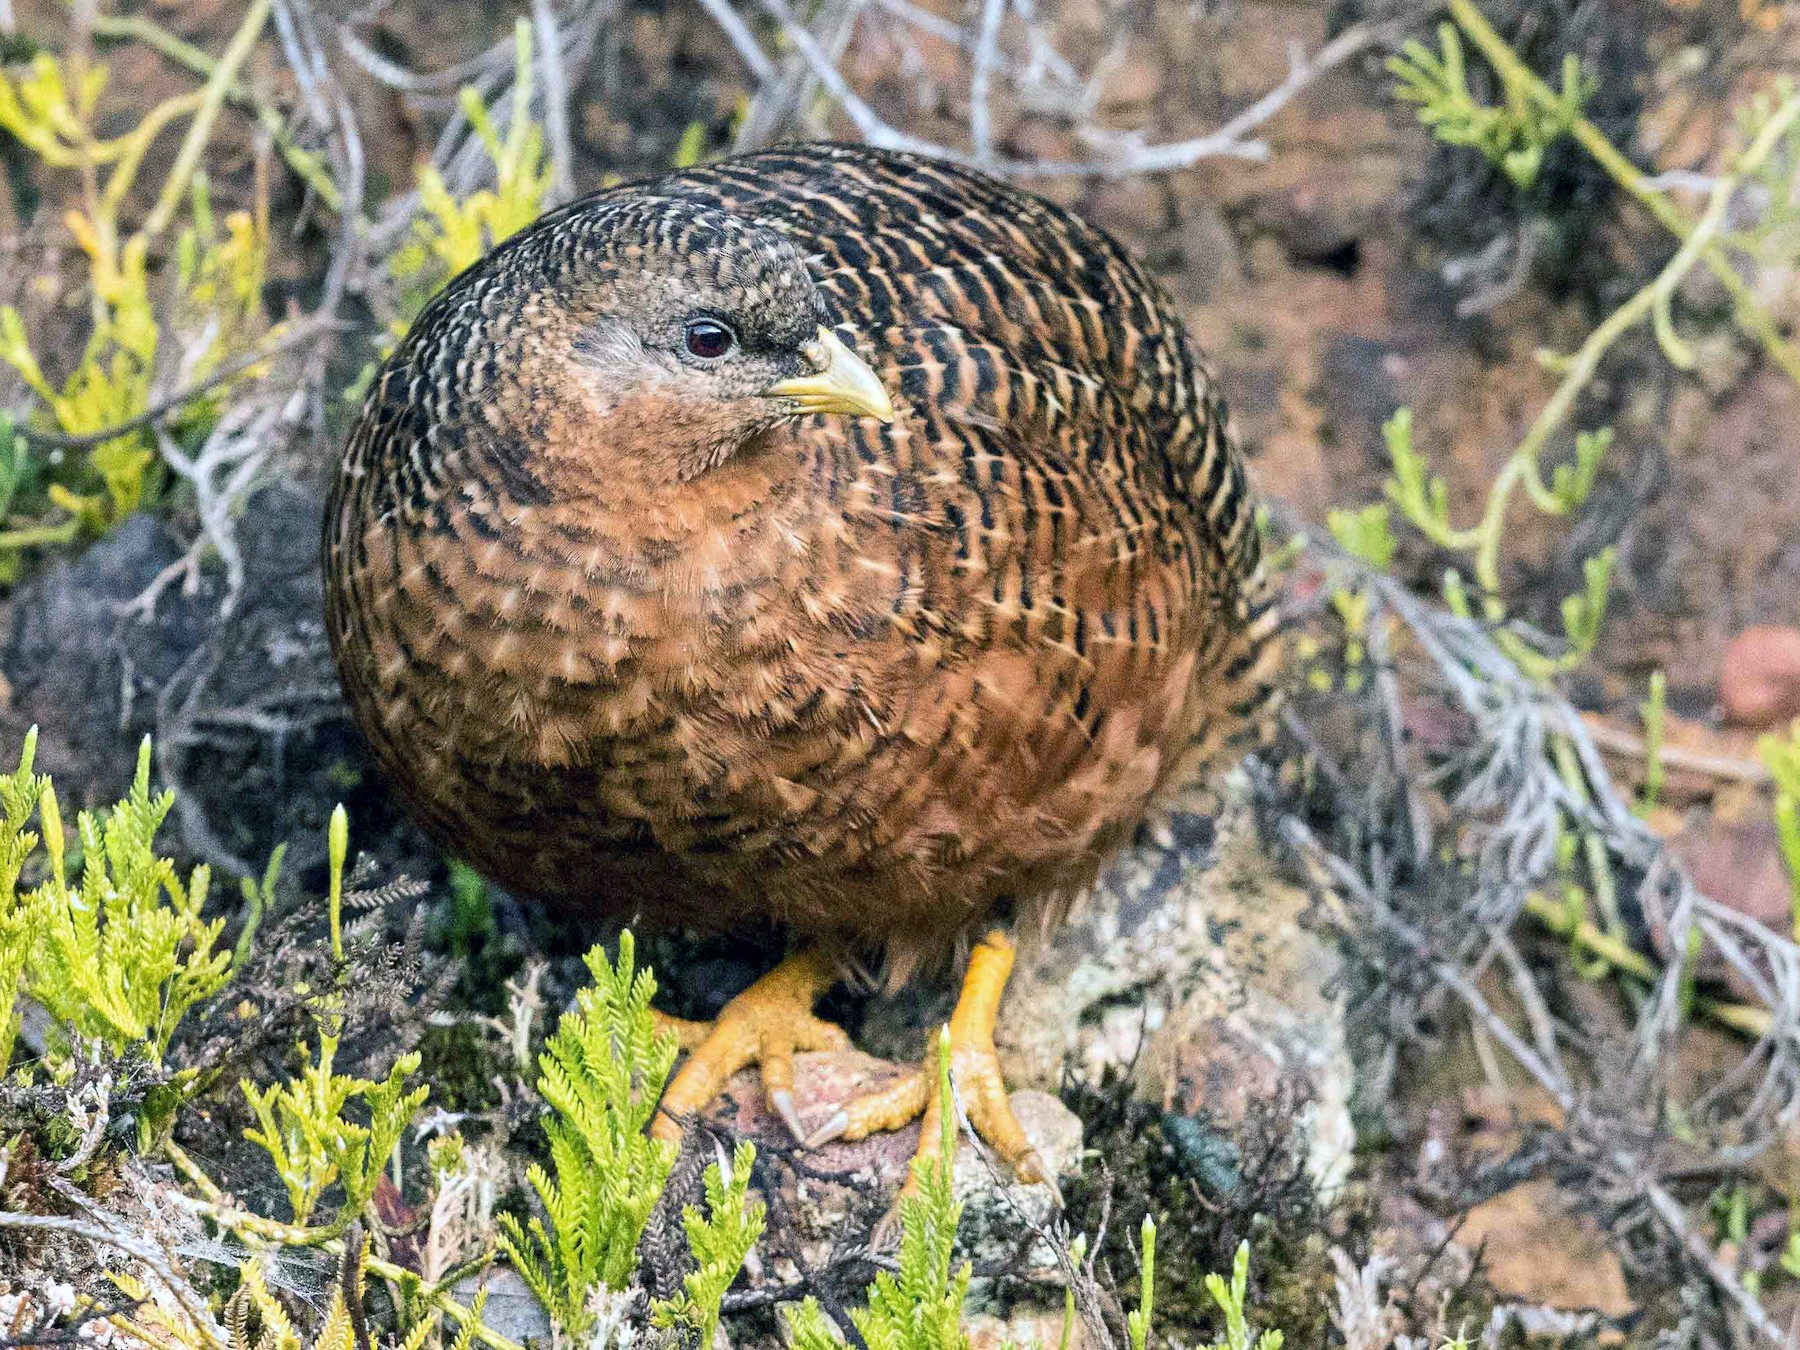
x,y
1137,1323
471,918
259,894
215,313
602,1073
1422,497
302,1127
1789,1260
1513,136
19,794
1764,124
1770,129
1654,710
1731,1213
691,149
1774,237
255,1319
720,1240
1366,535
329,1135
305,1126
452,234
122,955
1229,1295
301,1123
1781,755
920,1307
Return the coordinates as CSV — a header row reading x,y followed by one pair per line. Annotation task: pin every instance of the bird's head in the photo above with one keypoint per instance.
x,y
654,338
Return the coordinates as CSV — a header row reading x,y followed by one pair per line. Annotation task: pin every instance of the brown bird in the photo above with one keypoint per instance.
x,y
825,536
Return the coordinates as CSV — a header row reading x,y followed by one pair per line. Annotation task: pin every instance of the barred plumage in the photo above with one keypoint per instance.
x,y
868,680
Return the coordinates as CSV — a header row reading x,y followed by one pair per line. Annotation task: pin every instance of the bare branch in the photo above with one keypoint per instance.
x,y
1122,154
981,125
155,1260
743,41
556,100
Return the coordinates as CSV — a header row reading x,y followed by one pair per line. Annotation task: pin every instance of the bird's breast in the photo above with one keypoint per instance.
x,y
690,634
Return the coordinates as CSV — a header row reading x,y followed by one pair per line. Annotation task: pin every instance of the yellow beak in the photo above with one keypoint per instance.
x,y
841,383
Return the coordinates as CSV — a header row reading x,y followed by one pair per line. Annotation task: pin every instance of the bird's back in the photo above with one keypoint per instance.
x,y
930,663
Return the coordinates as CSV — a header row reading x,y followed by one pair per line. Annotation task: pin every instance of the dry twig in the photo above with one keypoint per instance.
x,y
1510,797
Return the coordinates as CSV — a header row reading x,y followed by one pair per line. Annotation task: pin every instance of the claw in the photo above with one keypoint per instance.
x,y
771,1020
975,1066
835,1128
885,1235
765,1024
783,1102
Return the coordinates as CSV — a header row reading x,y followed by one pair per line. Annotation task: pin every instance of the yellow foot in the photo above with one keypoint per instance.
x,y
764,1025
975,1078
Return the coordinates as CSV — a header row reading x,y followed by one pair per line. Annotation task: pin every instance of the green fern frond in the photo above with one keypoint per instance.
x,y
1229,1295
123,955
1781,755
216,311
602,1074
720,1240
921,1308
19,794
1513,136
302,1127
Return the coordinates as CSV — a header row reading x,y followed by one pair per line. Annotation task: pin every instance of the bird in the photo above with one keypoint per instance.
x,y
828,537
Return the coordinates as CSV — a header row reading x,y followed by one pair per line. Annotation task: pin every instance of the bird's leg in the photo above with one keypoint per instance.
x,y
688,1035
974,1069
764,1025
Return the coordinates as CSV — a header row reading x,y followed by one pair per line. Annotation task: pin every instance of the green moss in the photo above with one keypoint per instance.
x,y
1209,1188
462,1065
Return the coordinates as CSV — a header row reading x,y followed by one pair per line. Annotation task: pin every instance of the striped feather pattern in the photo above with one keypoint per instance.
x,y
866,680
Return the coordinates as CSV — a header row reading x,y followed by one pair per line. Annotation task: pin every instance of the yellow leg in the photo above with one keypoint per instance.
x,y
688,1035
764,1025
974,1071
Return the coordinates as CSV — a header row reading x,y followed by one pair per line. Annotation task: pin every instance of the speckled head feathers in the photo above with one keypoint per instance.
x,y
624,311
650,265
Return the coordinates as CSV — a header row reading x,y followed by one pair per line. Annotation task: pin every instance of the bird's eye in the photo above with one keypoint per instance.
x,y
709,339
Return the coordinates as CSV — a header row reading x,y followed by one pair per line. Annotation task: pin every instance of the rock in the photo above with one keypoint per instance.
x,y
835,1194
1040,1327
1759,686
511,1308
1188,967
1535,1248
248,723
998,1213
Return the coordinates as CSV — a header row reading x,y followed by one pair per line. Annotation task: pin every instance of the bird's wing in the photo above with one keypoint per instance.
x,y
1057,521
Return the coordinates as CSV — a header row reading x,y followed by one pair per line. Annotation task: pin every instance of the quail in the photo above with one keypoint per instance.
x,y
825,536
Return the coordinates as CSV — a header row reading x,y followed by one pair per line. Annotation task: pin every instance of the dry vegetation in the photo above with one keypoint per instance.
x,y
1506,289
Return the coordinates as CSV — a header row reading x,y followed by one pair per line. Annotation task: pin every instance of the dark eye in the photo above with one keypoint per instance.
x,y
709,339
